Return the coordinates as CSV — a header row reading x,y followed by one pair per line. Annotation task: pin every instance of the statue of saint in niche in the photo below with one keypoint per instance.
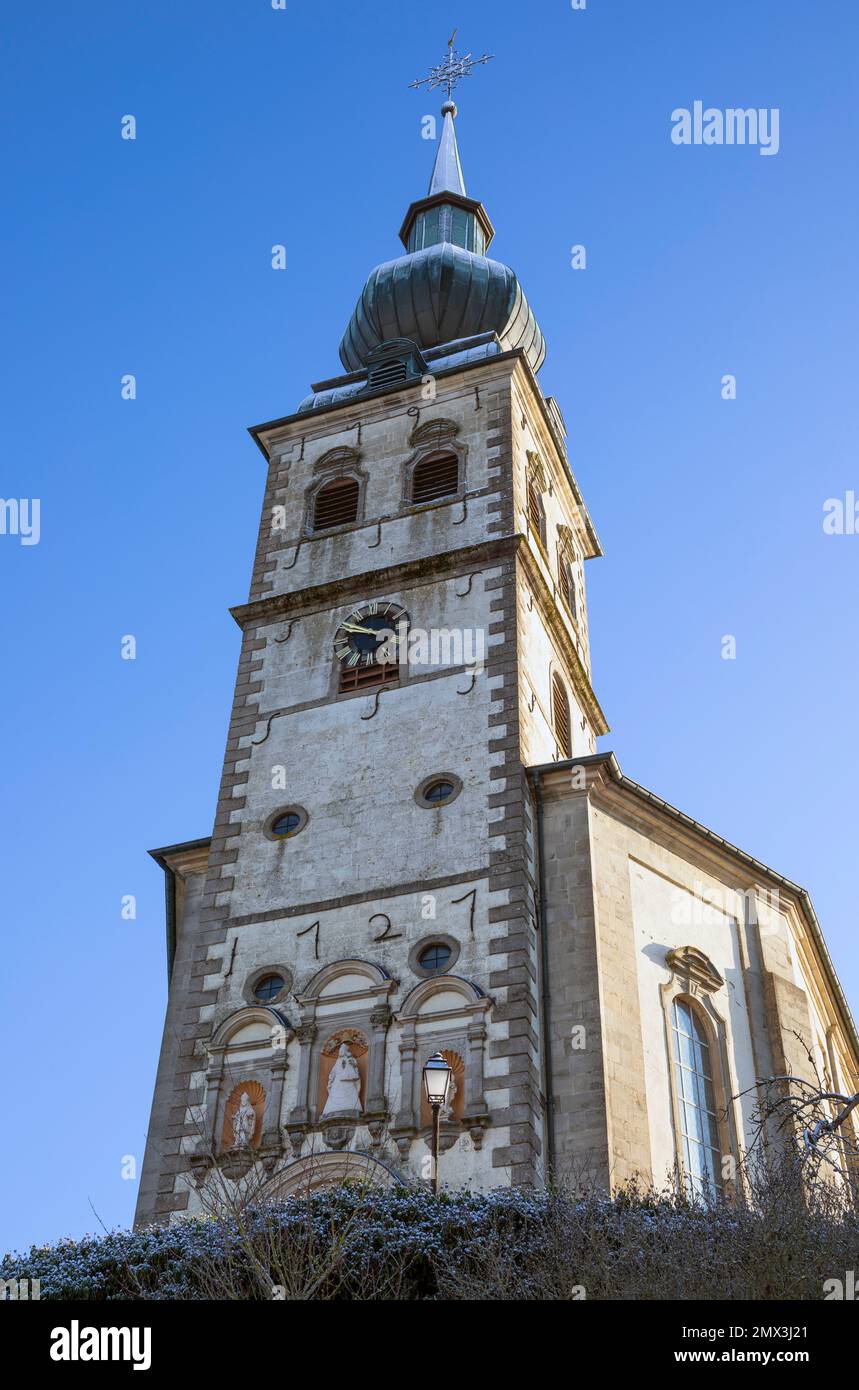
x,y
244,1123
344,1083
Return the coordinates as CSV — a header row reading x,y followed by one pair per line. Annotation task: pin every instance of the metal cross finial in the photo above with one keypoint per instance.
x,y
451,72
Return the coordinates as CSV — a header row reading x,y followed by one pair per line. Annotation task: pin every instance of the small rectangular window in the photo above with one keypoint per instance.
x,y
429,228
460,232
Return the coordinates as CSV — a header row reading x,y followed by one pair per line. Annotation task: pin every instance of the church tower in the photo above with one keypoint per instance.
x,y
416,633
417,847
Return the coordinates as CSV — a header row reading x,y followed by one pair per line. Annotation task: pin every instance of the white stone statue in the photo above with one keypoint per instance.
x,y
344,1083
244,1123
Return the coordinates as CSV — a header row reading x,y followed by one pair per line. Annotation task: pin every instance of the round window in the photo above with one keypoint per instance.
x,y
438,791
286,823
435,957
269,987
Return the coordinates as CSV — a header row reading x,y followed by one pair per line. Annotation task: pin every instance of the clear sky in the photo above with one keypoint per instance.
x,y
153,257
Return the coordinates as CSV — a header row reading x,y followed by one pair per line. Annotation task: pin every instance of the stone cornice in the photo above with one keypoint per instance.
x,y
390,577
188,858
301,423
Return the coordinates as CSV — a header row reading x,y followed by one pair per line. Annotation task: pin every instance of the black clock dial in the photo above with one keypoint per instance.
x,y
365,631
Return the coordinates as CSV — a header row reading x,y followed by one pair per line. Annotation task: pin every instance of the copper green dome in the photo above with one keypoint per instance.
x,y
445,288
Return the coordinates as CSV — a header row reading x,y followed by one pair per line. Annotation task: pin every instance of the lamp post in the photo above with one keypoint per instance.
x,y
437,1075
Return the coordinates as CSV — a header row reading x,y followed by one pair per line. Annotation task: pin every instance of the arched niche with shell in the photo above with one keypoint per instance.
x,y
234,1134
451,1111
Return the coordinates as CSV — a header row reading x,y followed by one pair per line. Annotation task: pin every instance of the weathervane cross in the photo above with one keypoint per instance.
x,y
451,72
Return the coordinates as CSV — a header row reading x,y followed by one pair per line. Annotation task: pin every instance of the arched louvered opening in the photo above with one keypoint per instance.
x,y
561,717
536,512
336,504
567,584
436,476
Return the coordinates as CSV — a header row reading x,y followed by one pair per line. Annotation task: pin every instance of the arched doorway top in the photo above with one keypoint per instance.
x,y
317,1171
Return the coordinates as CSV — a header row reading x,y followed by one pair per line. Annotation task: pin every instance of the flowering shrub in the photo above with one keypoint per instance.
x,y
505,1244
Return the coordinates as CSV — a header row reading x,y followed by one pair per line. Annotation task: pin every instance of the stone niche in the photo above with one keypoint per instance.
x,y
248,1054
346,1003
339,1121
242,1128
445,1014
256,1100
452,1111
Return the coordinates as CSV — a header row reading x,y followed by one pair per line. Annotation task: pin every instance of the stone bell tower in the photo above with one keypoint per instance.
x,y
415,635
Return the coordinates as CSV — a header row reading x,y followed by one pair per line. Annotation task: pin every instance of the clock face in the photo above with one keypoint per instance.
x,y
365,631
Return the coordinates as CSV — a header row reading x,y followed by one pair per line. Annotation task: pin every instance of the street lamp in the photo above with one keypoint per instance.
x,y
437,1074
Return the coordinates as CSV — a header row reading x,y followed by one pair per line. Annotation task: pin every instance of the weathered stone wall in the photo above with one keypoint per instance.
x,y
575,1009
156,1198
371,862
627,885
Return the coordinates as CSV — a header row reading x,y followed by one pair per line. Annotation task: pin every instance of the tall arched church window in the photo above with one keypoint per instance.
x,y
436,476
561,717
336,504
698,1137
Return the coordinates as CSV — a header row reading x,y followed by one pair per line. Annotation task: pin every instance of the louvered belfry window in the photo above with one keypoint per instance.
x,y
567,580
536,512
561,717
437,476
336,504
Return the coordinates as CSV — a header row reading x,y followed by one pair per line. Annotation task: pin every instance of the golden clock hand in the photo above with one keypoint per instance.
x,y
356,627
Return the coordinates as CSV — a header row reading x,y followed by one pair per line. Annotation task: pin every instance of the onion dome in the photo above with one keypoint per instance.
x,y
445,288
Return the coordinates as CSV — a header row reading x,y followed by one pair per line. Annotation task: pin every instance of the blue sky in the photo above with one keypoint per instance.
x,y
152,257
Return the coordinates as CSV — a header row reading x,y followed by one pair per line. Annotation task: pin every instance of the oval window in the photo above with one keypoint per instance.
x,y
435,957
269,987
438,791
286,822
